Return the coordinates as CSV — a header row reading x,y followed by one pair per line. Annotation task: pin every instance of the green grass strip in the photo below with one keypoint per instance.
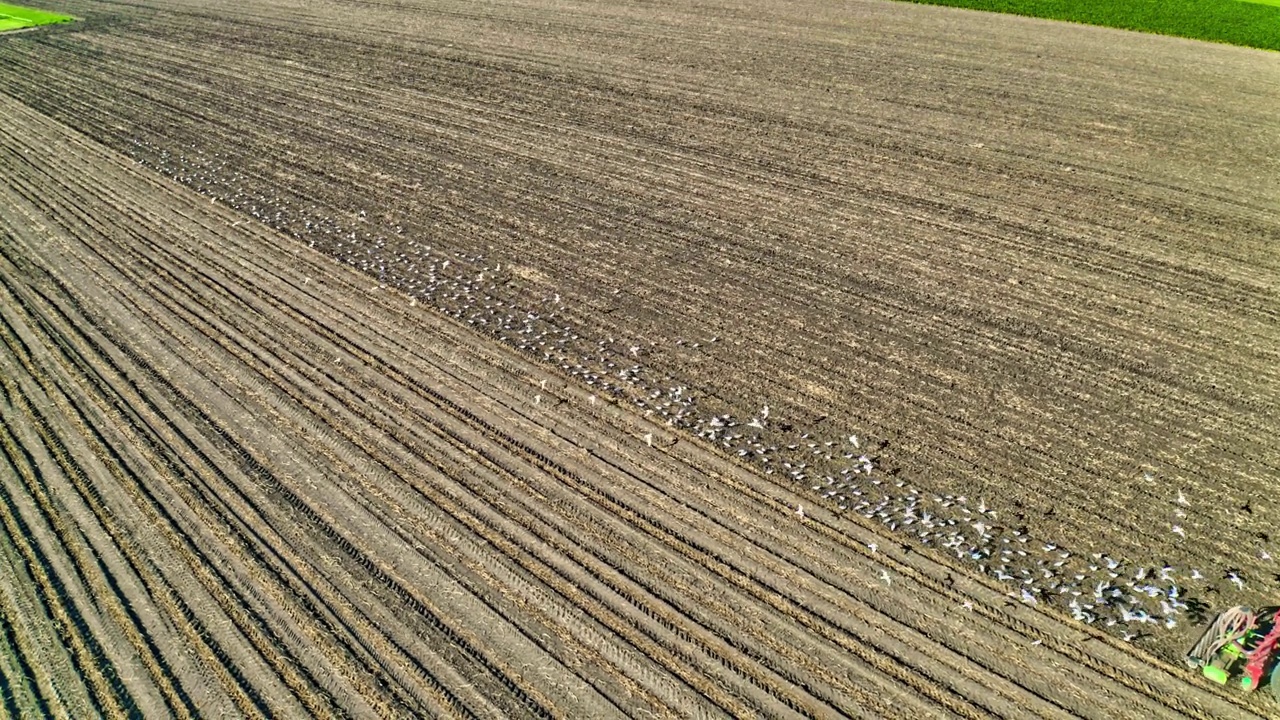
x,y
1251,23
16,17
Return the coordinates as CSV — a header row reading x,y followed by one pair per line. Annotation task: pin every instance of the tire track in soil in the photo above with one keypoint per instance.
x,y
410,448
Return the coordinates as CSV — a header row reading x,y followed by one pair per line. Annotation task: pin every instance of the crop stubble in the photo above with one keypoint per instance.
x,y
904,219
898,218
288,492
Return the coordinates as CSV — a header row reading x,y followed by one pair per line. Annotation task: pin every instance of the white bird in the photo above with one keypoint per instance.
x,y
967,605
1239,581
1182,499
1195,575
648,438
1132,615
1177,530
884,575
764,414
800,511
873,547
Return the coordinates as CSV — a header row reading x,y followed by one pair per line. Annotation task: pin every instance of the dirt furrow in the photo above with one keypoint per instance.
x,y
344,502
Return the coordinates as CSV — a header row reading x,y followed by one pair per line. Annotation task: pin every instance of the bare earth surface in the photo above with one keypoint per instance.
x,y
684,359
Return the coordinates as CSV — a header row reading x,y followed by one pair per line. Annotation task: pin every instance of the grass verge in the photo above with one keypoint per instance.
x,y
1254,23
16,17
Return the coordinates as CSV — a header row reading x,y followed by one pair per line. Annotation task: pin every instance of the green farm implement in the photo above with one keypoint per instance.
x,y
1241,644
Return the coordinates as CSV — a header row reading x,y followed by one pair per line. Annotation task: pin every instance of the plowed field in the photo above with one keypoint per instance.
x,y
682,359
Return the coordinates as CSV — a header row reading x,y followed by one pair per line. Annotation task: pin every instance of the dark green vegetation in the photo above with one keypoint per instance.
x,y
1252,24
14,17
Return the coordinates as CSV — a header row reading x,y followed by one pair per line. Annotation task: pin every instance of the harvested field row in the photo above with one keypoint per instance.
x,y
241,481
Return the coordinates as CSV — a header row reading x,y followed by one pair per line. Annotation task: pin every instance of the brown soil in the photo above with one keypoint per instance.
x,y
270,448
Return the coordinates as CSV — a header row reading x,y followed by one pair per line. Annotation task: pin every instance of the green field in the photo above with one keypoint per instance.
x,y
1253,23
14,17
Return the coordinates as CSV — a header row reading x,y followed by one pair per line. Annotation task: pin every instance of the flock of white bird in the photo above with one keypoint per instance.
x,y
1131,598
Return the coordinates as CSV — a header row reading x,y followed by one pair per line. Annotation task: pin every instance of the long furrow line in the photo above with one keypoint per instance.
x,y
389,112
273,546
47,652
1061,433
1224,541
385,449
1086,434
18,676
195,613
50,551
278,87
525,30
